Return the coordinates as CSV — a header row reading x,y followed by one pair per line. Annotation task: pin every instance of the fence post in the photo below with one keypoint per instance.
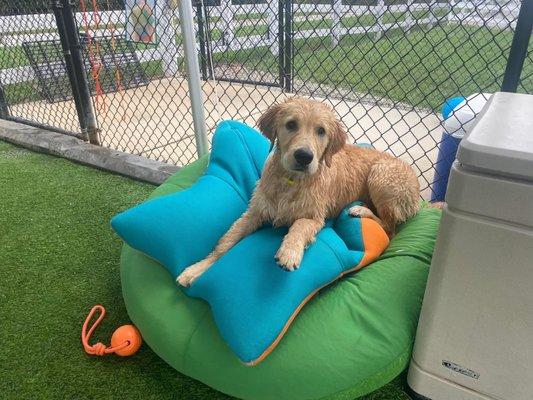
x,y
193,75
273,25
451,11
432,7
4,109
167,47
281,42
409,20
518,51
335,21
72,52
287,48
201,39
380,9
227,22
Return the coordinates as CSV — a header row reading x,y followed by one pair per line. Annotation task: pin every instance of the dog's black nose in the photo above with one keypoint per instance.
x,y
303,156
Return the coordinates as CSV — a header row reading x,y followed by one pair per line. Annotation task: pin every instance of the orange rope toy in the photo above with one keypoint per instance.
x,y
125,341
94,50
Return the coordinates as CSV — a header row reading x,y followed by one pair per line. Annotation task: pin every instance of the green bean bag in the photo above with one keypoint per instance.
x,y
349,340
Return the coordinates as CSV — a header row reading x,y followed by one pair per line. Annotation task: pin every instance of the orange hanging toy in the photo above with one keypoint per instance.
x,y
94,53
125,341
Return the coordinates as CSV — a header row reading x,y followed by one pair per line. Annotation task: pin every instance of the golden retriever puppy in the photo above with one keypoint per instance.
x,y
310,177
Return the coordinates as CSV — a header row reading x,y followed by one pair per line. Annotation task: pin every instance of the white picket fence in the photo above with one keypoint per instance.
x,y
502,16
30,27
32,22
37,27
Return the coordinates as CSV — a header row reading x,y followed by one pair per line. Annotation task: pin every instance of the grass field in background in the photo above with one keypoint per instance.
x,y
14,56
422,67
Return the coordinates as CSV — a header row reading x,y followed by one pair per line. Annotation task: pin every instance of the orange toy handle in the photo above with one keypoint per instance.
x,y
127,343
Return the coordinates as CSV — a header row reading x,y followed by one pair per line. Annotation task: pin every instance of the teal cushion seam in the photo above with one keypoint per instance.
x,y
246,147
240,136
334,252
245,201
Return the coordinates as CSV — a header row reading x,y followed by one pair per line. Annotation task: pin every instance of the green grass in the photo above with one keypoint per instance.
x,y
28,91
11,57
22,92
422,68
244,17
393,17
361,20
244,31
422,14
312,24
59,257
14,56
326,23
54,30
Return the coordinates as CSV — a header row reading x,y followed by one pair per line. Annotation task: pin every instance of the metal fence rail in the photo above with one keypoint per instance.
x,y
386,66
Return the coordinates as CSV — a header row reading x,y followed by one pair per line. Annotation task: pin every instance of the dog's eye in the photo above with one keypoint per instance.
x,y
291,125
321,131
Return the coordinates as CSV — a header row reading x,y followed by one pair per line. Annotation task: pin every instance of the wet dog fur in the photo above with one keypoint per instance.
x,y
311,176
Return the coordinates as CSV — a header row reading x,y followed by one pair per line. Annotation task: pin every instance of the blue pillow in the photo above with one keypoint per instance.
x,y
252,299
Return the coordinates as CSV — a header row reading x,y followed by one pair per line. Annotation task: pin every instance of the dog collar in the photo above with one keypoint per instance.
x,y
289,181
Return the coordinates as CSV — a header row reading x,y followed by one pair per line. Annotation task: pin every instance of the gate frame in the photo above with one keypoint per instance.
x,y
519,47
72,53
285,37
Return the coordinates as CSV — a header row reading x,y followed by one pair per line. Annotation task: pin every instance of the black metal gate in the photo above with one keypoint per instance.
x,y
37,63
222,51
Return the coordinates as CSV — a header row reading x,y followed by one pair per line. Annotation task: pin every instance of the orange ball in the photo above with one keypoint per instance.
x,y
129,334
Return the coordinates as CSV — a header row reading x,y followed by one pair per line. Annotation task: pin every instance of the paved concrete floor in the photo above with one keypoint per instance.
x,y
156,121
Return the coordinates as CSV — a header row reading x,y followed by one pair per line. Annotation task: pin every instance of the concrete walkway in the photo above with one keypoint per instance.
x,y
156,121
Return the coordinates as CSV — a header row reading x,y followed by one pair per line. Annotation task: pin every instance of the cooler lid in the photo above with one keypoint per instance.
x,y
501,141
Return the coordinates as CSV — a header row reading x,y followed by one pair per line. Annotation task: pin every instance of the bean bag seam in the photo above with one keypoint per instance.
x,y
200,321
405,352
412,255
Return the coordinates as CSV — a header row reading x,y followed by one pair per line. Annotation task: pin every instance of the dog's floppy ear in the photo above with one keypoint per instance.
x,y
266,123
336,142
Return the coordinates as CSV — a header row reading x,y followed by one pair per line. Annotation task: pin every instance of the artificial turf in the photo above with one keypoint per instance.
x,y
59,256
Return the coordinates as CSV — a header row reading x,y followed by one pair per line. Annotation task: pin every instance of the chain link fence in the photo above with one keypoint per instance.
x,y
386,66
29,36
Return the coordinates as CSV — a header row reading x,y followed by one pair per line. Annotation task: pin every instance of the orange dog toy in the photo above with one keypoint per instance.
x,y
125,341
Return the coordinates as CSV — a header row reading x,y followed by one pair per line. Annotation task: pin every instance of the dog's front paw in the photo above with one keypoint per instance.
x,y
360,211
190,274
288,258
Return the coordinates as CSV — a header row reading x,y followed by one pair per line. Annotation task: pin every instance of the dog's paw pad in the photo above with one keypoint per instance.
x,y
288,268
186,278
189,275
288,259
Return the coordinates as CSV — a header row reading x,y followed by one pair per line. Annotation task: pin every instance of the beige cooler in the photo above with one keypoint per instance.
x,y
475,334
